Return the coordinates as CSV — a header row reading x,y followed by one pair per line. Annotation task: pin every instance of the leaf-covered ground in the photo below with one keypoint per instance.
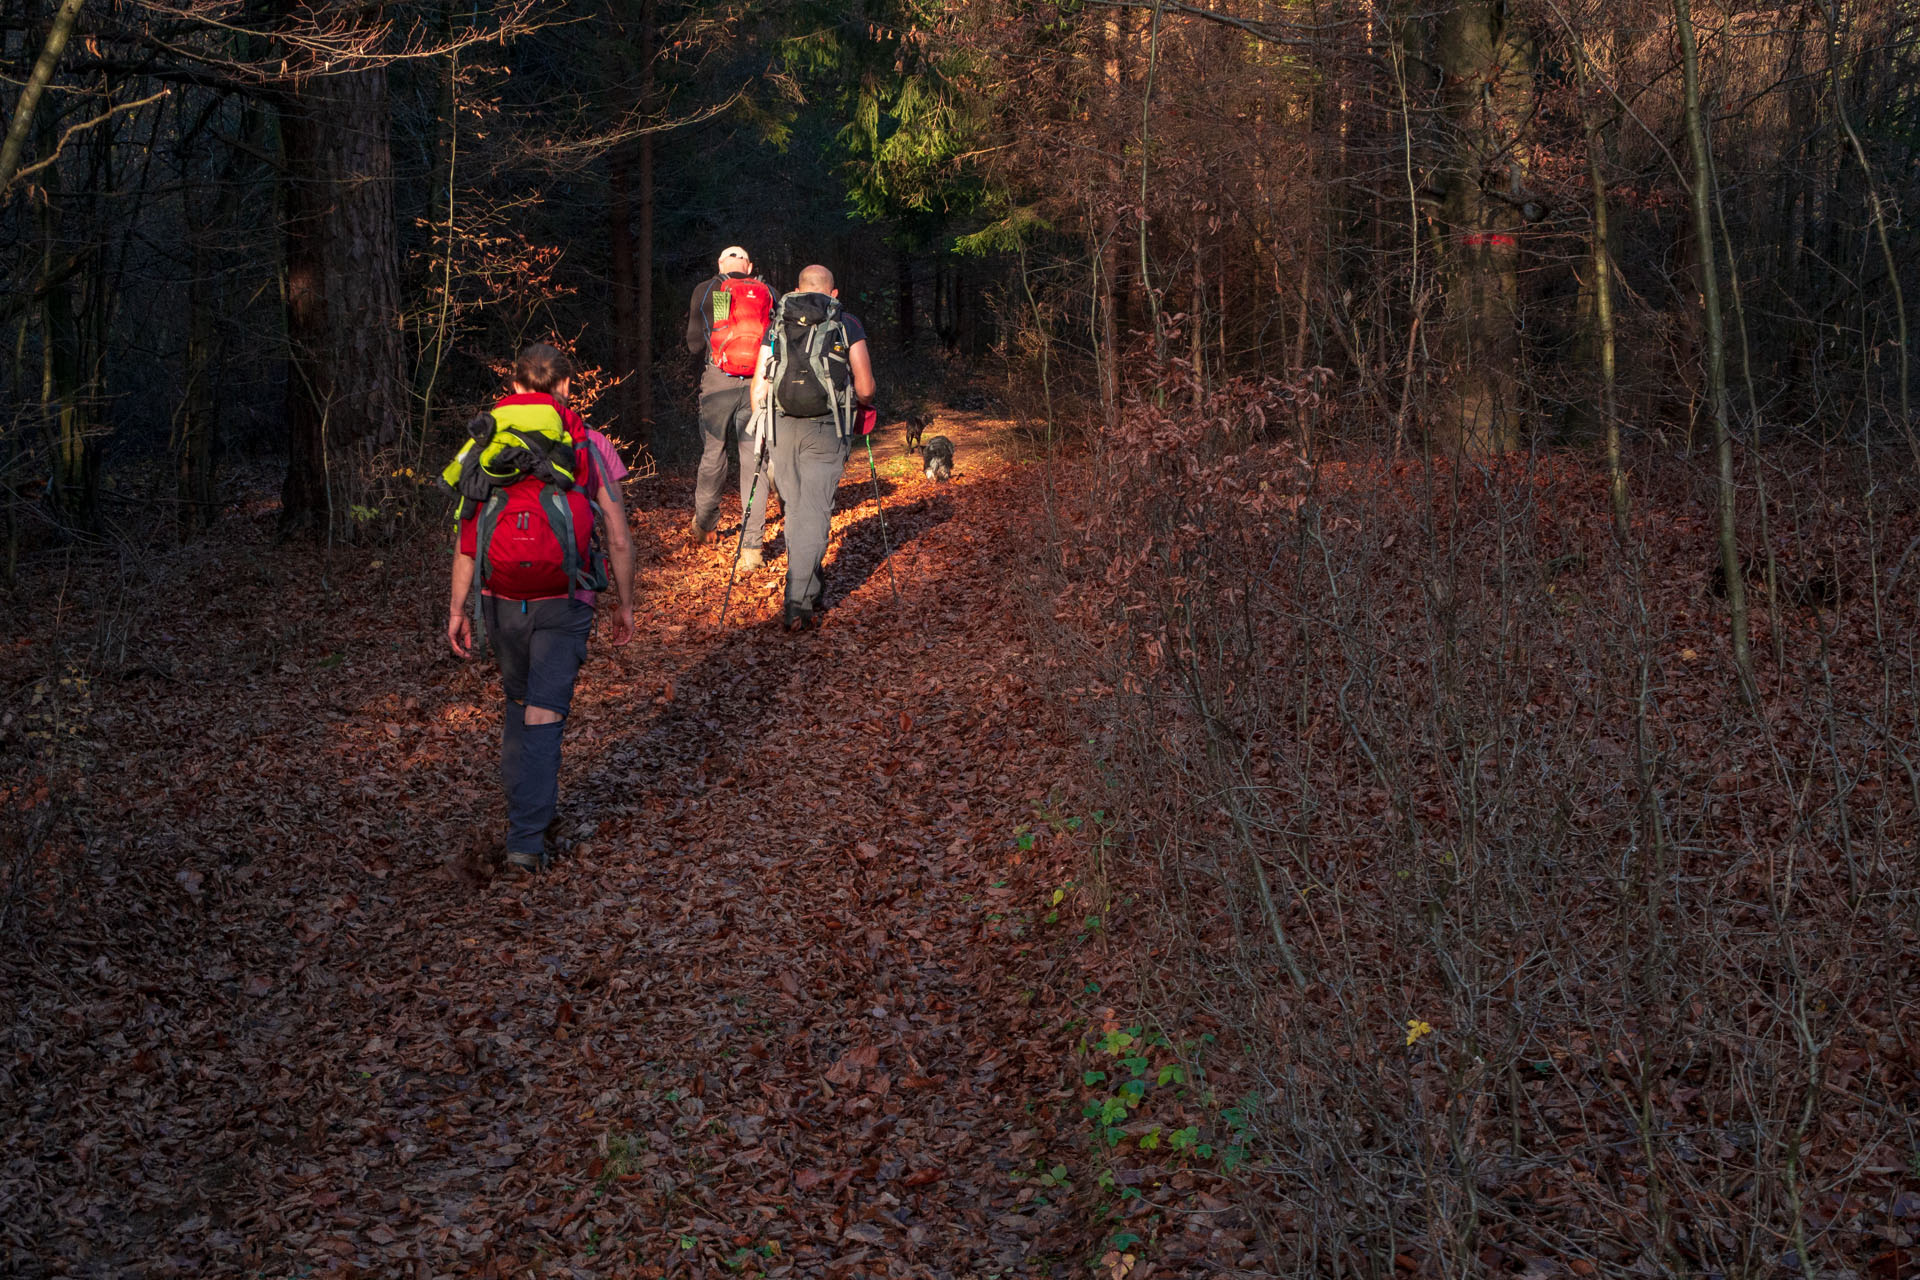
x,y
272,1010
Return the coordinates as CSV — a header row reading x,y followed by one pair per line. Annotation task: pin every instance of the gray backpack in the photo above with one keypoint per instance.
x,y
811,376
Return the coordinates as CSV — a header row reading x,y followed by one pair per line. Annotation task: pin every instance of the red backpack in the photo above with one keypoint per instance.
x,y
738,313
534,537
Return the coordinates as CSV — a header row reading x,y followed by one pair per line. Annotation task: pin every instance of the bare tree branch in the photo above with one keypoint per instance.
x,y
63,23
1296,34
65,137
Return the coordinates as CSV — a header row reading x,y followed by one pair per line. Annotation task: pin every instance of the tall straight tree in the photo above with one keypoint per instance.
x,y
643,266
1486,63
620,243
1716,352
347,383
68,397
630,182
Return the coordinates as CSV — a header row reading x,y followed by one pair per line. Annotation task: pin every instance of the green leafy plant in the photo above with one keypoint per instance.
x,y
620,1155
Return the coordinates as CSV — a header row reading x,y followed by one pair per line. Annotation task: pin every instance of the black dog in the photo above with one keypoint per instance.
x,y
916,427
938,454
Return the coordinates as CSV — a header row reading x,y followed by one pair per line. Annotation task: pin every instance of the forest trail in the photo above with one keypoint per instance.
x,y
759,1019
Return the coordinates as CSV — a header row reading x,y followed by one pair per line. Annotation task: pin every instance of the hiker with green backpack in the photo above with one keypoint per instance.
x,y
529,482
816,369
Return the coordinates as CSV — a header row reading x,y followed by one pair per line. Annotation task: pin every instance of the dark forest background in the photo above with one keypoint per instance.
x,y
1478,534
244,231
238,235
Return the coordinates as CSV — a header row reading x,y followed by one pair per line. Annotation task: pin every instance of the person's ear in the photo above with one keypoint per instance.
x,y
835,292
563,389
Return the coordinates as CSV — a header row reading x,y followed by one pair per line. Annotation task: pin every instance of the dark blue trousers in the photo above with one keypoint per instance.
x,y
539,645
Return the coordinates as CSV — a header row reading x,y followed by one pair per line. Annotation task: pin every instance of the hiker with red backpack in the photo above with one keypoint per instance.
x,y
816,368
728,321
529,482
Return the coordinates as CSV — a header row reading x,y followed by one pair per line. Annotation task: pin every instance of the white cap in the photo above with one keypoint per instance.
x,y
735,251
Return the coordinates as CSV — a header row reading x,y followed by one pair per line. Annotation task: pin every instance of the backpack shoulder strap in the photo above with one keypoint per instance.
x,y
706,309
560,516
776,334
818,341
587,466
483,534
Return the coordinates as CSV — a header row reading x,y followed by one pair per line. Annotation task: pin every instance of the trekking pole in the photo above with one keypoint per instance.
x,y
746,512
885,546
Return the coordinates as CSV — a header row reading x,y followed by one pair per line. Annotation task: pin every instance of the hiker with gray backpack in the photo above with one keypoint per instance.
x,y
816,369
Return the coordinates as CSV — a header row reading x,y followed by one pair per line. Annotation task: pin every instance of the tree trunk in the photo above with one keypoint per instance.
x,y
944,323
441,210
1716,342
626,357
1196,331
67,407
643,303
1601,291
194,430
903,294
1486,98
1140,214
10,455
957,303
306,497
643,273
1109,337
347,381
1879,218
196,433
1603,326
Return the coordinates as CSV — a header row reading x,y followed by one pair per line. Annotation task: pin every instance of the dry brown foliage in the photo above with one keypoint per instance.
x,y
1598,966
269,1008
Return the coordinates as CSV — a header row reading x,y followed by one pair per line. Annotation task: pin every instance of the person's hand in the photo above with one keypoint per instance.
x,y
460,633
623,625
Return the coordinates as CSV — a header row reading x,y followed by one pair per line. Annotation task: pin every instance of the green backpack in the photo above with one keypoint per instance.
x,y
507,444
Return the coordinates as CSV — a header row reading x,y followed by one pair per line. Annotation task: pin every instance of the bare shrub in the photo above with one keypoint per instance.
x,y
1418,746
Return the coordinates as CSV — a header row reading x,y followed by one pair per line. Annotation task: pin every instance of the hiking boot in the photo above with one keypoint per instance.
x,y
751,560
698,537
798,619
529,862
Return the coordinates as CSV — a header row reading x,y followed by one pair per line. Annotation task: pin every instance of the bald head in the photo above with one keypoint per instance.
x,y
816,279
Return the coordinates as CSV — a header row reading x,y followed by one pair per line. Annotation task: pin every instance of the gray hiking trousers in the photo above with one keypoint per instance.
x,y
723,407
808,459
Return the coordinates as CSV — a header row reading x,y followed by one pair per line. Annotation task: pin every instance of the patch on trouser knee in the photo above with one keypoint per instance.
x,y
554,655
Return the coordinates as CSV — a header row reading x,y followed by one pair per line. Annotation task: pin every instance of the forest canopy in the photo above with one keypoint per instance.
x,y
235,228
